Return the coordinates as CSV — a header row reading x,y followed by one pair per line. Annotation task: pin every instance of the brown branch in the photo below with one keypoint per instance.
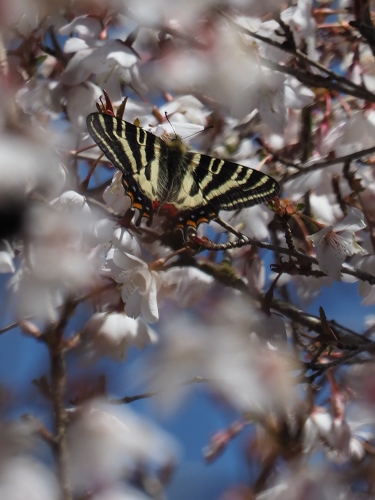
x,y
357,273
322,368
316,165
331,81
55,342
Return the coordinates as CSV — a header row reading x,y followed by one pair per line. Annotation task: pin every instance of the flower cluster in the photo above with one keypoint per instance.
x,y
283,88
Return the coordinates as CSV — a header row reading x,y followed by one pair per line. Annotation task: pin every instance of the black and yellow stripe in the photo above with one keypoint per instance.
x,y
158,175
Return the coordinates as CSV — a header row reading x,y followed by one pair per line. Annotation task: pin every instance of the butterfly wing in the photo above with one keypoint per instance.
x,y
210,185
138,154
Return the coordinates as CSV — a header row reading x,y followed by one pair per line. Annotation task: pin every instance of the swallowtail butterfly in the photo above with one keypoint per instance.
x,y
162,177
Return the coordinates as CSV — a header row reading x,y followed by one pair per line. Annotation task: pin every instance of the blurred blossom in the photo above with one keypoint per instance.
x,y
186,108
108,443
231,350
342,439
367,291
185,15
185,285
334,243
16,439
140,284
6,258
55,262
306,483
111,334
120,493
85,27
40,98
357,132
253,221
25,477
254,270
24,167
110,60
80,101
302,24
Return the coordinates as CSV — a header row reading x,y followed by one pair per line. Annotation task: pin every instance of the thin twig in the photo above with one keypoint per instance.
x,y
146,395
55,342
318,164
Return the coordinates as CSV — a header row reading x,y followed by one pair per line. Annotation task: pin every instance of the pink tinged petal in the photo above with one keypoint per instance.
x,y
104,229
111,54
340,436
132,304
6,259
185,285
126,242
149,306
297,96
127,290
323,421
83,26
142,334
74,45
356,450
75,72
272,107
81,101
114,195
142,280
331,251
127,261
310,435
354,221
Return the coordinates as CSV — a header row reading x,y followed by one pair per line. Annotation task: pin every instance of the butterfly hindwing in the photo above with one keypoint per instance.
x,y
224,185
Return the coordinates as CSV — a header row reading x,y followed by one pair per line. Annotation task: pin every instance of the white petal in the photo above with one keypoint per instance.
x,y
354,221
127,261
149,305
133,305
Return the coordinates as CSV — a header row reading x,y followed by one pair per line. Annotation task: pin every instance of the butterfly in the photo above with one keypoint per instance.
x,y
162,177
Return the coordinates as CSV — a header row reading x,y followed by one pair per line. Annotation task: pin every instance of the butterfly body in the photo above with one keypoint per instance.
x,y
161,177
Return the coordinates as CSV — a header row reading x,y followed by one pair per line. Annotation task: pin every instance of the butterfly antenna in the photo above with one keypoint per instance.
x,y
168,120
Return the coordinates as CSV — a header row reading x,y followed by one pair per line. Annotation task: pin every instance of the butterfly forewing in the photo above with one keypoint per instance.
x,y
189,187
135,152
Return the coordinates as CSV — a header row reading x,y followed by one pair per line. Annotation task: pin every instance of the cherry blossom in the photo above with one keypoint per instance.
x,y
139,283
111,334
285,88
334,244
106,441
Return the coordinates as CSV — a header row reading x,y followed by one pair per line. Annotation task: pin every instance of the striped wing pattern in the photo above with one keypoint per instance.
x,y
190,188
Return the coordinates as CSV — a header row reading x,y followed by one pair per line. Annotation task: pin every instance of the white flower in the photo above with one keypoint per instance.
x,y
344,437
185,285
111,61
302,24
80,101
106,442
333,248
55,261
140,284
110,334
114,196
25,477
